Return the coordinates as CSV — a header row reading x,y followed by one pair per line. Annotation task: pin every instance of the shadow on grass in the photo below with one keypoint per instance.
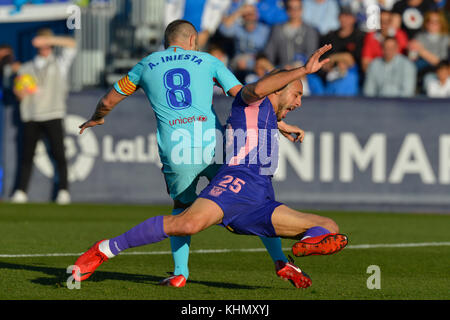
x,y
59,277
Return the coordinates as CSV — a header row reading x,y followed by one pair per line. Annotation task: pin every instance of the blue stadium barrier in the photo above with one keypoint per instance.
x,y
359,153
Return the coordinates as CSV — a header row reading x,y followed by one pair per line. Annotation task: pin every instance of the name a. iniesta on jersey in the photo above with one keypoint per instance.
x,y
175,57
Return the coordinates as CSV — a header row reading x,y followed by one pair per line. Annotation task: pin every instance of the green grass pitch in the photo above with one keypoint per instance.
x,y
406,272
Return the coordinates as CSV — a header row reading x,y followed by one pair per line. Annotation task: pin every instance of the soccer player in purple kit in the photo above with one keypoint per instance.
x,y
241,197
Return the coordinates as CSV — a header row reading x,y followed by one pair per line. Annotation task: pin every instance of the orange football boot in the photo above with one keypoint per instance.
x,y
88,262
174,281
321,245
290,272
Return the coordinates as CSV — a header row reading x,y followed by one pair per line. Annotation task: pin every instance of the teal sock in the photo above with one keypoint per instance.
x,y
273,246
180,251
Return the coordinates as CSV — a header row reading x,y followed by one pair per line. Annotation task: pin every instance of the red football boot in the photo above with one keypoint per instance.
x,y
321,245
289,271
88,262
174,281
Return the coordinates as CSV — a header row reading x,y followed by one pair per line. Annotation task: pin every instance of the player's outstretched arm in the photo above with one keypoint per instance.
x,y
104,106
277,80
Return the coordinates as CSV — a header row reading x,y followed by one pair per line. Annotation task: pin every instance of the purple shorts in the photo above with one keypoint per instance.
x,y
246,198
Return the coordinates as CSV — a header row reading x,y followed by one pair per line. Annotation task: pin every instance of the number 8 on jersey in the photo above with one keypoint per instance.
x,y
177,83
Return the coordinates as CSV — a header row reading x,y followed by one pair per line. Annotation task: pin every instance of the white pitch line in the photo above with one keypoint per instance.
x,y
138,253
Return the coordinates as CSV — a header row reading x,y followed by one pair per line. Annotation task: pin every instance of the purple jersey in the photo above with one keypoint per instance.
x,y
243,186
252,136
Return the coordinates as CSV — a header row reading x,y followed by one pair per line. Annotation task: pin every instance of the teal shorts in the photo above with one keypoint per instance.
x,y
182,180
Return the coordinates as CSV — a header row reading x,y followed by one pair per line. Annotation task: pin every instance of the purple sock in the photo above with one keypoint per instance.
x,y
315,232
149,231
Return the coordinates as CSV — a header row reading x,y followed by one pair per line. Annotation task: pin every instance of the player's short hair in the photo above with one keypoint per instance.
x,y
178,29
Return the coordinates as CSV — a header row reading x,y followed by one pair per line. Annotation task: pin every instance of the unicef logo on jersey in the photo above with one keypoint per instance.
x,y
81,151
177,82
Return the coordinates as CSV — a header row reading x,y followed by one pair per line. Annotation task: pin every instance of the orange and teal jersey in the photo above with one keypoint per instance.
x,y
179,85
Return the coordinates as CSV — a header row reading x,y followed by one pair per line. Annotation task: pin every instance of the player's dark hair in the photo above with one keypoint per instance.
x,y
176,29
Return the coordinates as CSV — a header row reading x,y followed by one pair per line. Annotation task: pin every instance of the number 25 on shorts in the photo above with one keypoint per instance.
x,y
236,183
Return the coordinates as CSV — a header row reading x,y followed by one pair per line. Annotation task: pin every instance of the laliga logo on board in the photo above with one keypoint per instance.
x,y
81,151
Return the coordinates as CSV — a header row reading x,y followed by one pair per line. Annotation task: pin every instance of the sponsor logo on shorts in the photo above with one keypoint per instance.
x,y
216,191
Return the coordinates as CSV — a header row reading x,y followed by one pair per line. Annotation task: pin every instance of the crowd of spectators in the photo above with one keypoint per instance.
x,y
383,48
